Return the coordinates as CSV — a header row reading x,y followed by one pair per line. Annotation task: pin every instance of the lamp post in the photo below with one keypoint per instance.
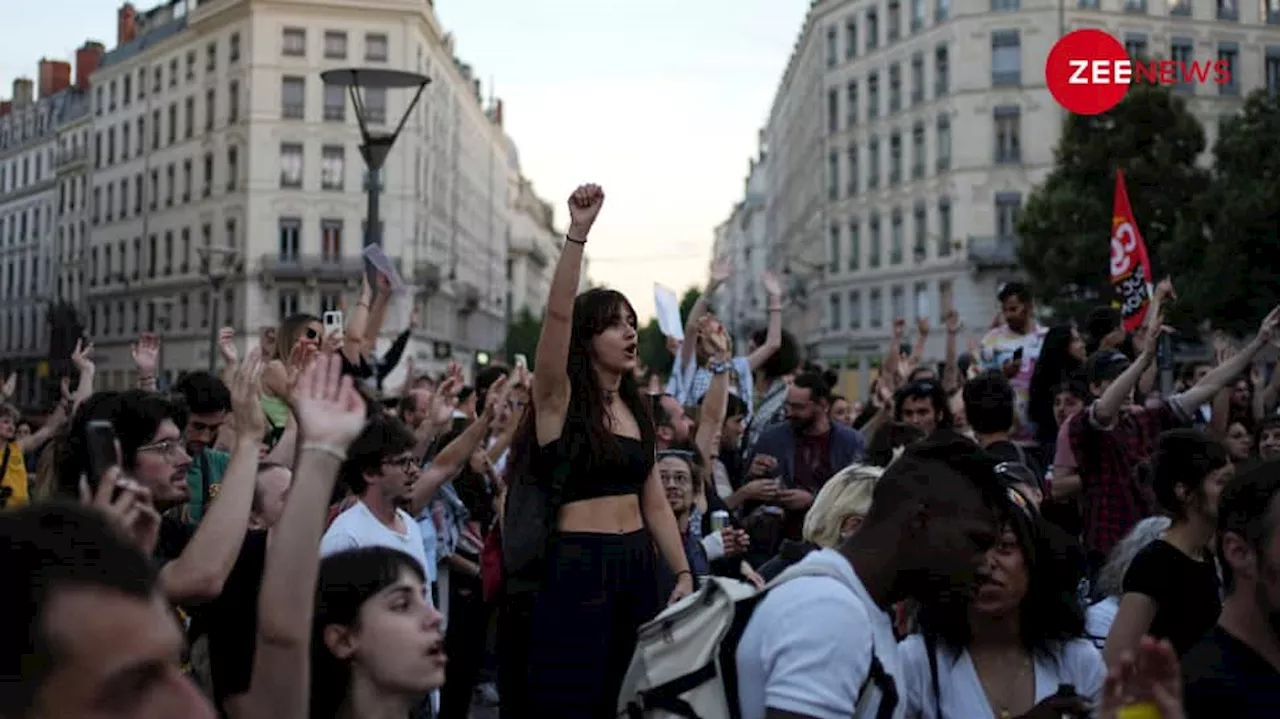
x,y
374,145
216,279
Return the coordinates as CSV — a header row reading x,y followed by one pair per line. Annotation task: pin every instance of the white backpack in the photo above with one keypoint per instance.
x,y
685,663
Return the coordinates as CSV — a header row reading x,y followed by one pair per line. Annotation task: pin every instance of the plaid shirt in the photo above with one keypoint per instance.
x,y
1112,500
694,381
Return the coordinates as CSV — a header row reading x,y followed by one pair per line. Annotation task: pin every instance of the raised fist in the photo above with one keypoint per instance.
x,y
584,207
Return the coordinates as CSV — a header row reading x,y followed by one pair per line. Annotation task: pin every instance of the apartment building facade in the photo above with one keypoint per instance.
x,y
741,302
907,134
533,249
228,187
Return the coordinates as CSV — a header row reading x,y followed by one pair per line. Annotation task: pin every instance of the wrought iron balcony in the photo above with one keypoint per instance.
x,y
286,268
70,157
993,252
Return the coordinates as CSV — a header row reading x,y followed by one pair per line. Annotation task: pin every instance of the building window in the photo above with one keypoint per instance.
x,y
335,45
1271,69
171,185
917,79
1182,52
894,21
211,57
173,70
1008,206
288,304
873,95
375,47
1006,5
375,105
833,51
210,102
833,111
897,237
332,167
873,163
1135,45
895,159
155,130
155,189
833,175
855,244
153,255
876,309
1135,6
920,248
1228,54
233,167
836,321
851,184
208,174
898,303
917,151
335,103
330,301
1180,8
873,30
293,98
944,227
233,237
855,310
295,41
189,122
850,38
290,230
291,165
173,122
1008,137
191,65
330,241
1271,11
875,249
895,87
233,102
186,180
851,104
833,256
1006,58
233,48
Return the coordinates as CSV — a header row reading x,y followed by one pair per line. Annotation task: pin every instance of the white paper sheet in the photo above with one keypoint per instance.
x,y
667,308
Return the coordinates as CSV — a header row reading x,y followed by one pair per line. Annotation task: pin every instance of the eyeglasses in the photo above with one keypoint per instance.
x,y
407,463
168,448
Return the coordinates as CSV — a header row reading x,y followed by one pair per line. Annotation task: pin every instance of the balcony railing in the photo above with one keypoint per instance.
x,y
69,157
318,267
992,252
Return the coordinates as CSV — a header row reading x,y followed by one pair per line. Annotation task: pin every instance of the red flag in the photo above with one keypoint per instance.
x,y
1130,266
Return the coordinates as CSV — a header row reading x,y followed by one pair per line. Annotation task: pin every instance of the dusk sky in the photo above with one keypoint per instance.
x,y
658,101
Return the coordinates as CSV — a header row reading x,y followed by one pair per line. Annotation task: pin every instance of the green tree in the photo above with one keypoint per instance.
x,y
1063,227
687,301
522,336
1231,272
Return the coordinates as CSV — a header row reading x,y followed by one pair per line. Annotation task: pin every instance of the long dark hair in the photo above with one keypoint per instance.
x,y
346,581
1050,611
1054,366
594,311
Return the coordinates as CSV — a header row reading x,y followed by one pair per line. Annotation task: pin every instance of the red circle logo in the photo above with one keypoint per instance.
x,y
1088,72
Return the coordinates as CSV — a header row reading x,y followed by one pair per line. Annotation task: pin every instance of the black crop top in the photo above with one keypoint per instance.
x,y
581,473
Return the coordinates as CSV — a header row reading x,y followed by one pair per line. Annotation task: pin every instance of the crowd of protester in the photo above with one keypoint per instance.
x,y
1028,527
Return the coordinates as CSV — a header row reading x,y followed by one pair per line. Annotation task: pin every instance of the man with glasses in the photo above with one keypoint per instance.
x,y
381,470
208,406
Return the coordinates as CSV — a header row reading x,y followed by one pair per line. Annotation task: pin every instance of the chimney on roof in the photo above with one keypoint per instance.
x,y
88,57
126,24
54,77
22,88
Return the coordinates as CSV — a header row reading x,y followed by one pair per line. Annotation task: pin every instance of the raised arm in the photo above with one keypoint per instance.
x,y
377,316
146,358
82,358
715,403
449,461
951,363
1220,376
357,324
1120,392
720,271
199,573
551,391
331,413
772,335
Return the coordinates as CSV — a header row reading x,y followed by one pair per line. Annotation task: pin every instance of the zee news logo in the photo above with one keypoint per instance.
x,y
1088,72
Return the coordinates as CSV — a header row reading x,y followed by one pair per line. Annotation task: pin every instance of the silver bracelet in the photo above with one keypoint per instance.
x,y
337,453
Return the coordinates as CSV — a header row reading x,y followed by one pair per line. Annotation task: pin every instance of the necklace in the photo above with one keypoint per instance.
x,y
1011,680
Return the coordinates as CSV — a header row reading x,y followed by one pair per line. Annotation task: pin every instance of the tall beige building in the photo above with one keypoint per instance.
x,y
906,135
213,130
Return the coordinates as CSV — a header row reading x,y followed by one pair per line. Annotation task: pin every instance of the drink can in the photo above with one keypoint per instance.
x,y
719,520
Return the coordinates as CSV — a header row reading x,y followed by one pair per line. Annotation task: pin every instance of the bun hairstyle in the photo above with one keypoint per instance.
x,y
1182,457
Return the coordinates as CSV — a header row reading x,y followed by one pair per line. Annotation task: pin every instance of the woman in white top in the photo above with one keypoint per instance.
x,y
1003,650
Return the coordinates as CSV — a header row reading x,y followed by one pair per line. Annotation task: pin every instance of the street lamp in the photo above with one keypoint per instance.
x,y
375,145
216,279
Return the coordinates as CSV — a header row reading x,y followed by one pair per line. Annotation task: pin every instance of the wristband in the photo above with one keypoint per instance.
x,y
775,309
337,453
684,571
576,242
720,367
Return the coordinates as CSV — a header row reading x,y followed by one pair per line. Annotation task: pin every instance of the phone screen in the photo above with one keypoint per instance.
x,y
100,442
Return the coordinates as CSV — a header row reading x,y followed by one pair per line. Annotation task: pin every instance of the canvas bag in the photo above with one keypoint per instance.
x,y
685,662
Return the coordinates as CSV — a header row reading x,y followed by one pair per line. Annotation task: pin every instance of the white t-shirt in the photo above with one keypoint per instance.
x,y
808,647
1098,619
1076,662
357,527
